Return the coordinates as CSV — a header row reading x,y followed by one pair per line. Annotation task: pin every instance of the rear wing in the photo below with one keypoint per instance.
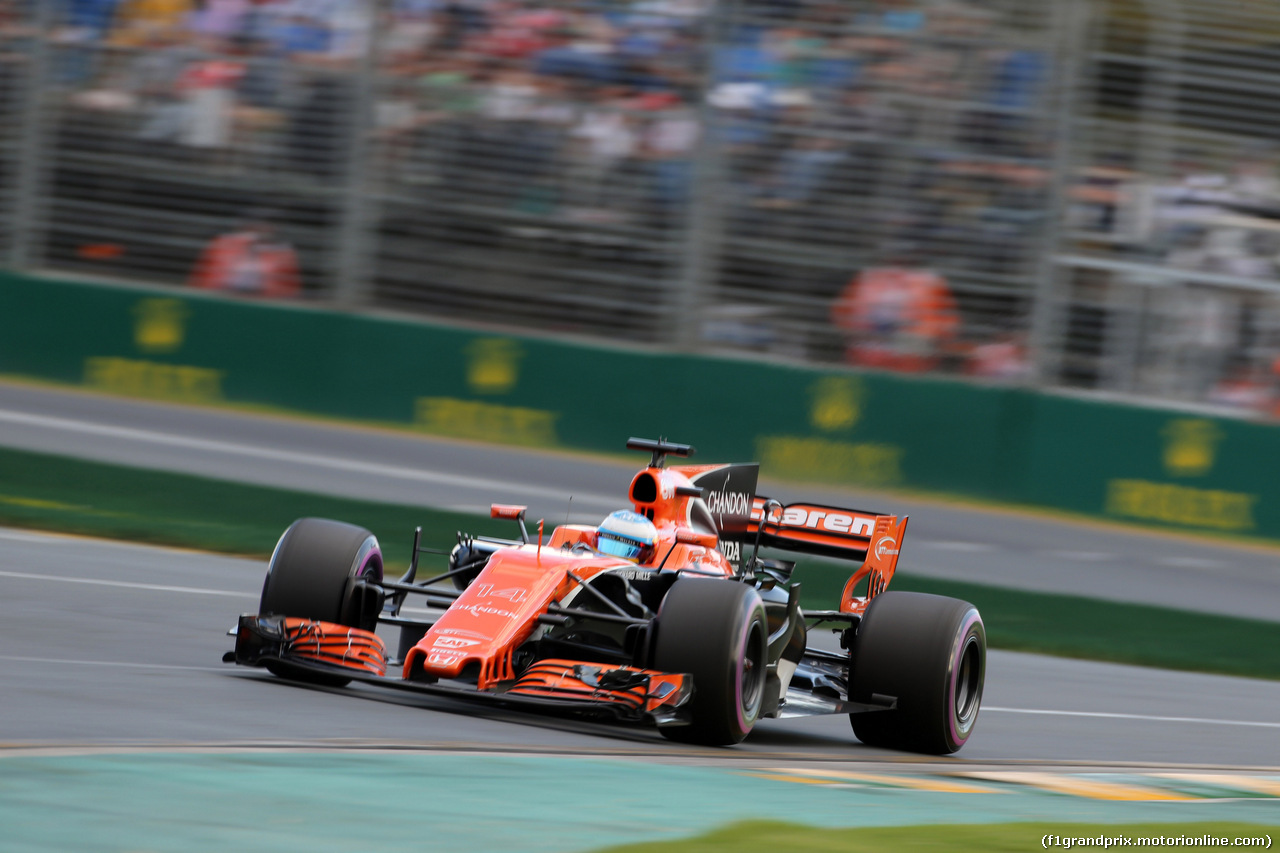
x,y
829,531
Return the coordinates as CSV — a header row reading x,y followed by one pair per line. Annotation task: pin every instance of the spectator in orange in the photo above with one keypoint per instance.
x,y
252,261
897,317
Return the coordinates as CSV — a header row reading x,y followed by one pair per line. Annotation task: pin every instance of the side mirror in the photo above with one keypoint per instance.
x,y
512,512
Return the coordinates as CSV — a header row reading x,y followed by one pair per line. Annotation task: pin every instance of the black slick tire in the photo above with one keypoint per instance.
x,y
716,631
311,574
928,651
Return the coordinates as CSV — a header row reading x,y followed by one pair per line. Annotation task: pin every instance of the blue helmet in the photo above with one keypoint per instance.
x,y
626,534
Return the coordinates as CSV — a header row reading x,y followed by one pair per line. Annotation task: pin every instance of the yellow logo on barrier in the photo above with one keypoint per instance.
x,y
867,463
160,324
134,378
485,421
1189,447
837,403
1181,505
493,365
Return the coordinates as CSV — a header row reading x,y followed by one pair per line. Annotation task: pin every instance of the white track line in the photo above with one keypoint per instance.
x,y
1189,562
968,547
191,590
125,664
1113,715
26,537
1081,556
310,459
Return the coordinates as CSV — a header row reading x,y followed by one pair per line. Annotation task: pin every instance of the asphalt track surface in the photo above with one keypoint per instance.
x,y
1005,548
107,643
120,729
112,685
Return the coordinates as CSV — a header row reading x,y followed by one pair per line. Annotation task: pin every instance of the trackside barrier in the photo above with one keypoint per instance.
x,y
1123,462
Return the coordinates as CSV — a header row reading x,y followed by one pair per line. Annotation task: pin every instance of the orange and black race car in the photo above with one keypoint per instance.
x,y
665,614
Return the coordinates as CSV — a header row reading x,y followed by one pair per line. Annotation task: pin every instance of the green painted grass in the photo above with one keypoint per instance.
x,y
70,495
1082,627
770,837
117,502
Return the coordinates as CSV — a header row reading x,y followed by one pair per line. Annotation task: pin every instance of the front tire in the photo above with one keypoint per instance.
x,y
716,631
928,651
313,574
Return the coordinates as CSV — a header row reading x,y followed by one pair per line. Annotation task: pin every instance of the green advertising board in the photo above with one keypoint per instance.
x,y
805,423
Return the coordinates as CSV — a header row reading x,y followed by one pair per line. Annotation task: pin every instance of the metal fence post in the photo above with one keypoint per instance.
x,y
1156,154
1045,338
31,162
701,239
353,277
703,217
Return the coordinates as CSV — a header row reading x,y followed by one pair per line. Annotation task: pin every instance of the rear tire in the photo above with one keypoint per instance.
x,y
311,576
930,652
716,631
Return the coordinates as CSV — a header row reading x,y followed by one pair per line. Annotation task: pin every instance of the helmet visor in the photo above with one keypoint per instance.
x,y
617,547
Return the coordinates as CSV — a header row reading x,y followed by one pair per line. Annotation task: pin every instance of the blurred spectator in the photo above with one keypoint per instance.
x,y
1248,387
668,141
1014,80
1221,221
264,84
397,118
444,113
897,317
252,261
512,135
81,28
1204,334
1099,194
410,30
604,139
15,15
137,20
1003,357
803,168
318,121
153,79
220,19
350,27
209,88
893,16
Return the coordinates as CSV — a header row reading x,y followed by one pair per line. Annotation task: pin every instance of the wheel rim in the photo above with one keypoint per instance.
x,y
751,673
968,691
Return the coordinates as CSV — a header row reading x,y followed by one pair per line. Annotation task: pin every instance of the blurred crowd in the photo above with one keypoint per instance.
x,y
594,111
591,89
1211,224
878,175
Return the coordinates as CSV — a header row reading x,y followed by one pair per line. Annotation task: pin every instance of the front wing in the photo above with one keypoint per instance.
x,y
304,647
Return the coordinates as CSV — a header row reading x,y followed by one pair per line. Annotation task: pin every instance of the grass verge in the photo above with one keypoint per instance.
x,y
767,836
1081,627
70,495
116,502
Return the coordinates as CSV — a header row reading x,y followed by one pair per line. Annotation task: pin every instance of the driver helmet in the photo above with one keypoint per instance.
x,y
626,534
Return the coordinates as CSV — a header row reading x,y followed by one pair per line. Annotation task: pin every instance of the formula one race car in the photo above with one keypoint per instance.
x,y
666,615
